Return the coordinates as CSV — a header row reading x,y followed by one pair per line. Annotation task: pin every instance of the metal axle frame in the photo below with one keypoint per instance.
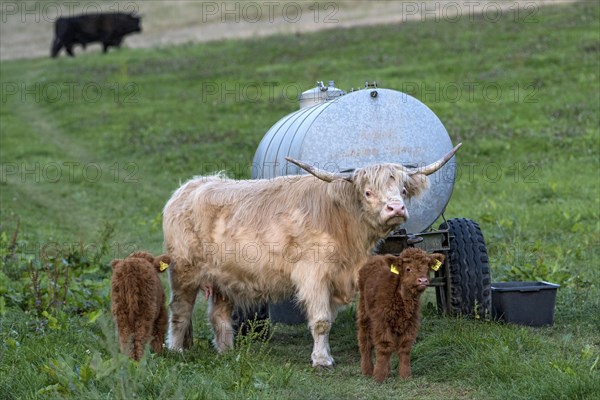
x,y
435,241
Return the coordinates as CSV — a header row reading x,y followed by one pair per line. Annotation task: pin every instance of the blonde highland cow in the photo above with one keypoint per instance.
x,y
247,242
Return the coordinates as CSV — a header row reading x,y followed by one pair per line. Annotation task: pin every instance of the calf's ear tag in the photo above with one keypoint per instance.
x,y
163,266
394,270
437,265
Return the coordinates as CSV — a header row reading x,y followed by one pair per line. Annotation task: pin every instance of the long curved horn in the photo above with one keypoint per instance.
x,y
319,173
431,168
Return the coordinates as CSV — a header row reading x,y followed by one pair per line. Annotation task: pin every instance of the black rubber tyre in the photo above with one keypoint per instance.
x,y
470,277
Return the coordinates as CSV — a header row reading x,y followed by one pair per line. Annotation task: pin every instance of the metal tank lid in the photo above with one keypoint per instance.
x,y
320,94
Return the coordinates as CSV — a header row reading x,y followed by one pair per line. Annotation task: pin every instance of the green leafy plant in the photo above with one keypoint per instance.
x,y
65,279
250,359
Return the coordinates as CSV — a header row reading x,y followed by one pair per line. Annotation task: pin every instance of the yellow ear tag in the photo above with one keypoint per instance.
x,y
163,266
394,270
437,265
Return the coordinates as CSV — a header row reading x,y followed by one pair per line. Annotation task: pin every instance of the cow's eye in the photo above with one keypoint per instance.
x,y
407,269
404,192
368,193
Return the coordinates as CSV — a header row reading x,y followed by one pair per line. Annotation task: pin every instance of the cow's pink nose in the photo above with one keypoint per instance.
x,y
396,209
423,281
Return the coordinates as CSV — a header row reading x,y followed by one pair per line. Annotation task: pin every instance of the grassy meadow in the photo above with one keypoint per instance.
x,y
92,147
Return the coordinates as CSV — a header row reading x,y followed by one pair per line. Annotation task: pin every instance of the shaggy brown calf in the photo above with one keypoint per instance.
x,y
388,310
138,302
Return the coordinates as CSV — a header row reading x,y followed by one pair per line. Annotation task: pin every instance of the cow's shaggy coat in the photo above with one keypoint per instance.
x,y
388,311
138,303
260,241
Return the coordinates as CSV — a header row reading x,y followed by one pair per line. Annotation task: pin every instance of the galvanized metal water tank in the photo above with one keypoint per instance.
x,y
367,126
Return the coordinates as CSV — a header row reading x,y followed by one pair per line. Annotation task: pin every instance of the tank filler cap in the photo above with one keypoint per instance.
x,y
320,94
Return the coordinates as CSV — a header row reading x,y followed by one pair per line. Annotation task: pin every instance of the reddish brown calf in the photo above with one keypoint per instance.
x,y
388,310
138,302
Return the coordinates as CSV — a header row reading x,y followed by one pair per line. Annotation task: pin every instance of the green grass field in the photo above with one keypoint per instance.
x,y
92,148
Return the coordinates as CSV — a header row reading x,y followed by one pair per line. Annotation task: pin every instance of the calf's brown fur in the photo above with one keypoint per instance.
x,y
388,309
138,303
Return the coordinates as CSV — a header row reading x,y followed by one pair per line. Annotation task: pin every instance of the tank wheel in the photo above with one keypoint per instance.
x,y
470,291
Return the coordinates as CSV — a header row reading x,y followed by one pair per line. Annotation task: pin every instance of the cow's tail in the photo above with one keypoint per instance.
x,y
56,46
60,30
133,300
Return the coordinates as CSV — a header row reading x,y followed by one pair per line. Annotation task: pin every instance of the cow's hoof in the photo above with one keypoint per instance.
x,y
174,350
325,367
324,363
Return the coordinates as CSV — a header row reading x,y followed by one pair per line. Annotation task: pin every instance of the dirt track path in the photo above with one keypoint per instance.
x,y
26,28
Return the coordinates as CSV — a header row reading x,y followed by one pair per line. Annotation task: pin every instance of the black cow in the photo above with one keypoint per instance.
x,y
107,28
